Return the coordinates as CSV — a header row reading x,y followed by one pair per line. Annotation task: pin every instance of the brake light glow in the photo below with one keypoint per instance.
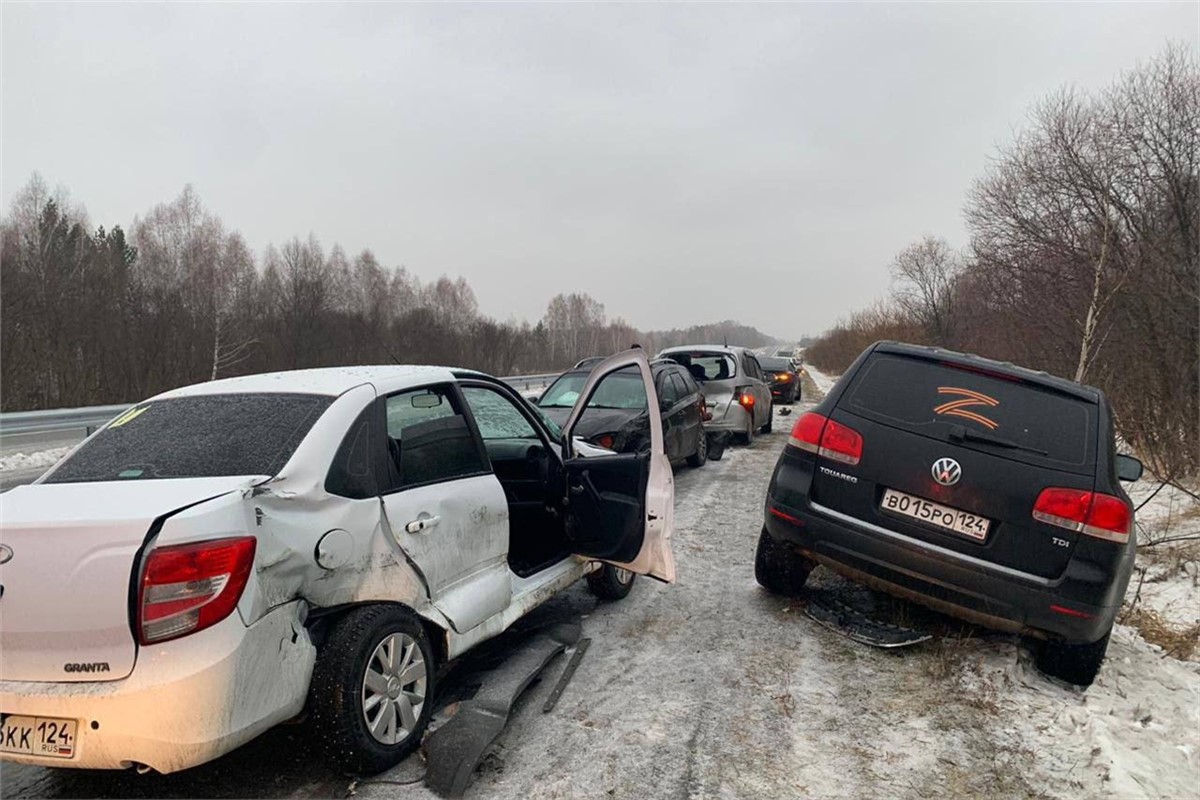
x,y
604,440
818,434
187,588
744,397
1100,515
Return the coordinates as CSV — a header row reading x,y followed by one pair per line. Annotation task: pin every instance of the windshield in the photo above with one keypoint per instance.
x,y
619,390
196,437
706,366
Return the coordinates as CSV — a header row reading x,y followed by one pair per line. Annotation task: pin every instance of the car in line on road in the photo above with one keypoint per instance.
x,y
224,556
617,416
980,489
734,387
783,377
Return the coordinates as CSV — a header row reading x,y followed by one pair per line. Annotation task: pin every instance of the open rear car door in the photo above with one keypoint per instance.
x,y
620,507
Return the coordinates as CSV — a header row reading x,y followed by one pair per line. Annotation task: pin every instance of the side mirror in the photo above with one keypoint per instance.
x,y
1129,468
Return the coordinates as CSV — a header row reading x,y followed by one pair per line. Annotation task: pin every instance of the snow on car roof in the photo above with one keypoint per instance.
x,y
327,380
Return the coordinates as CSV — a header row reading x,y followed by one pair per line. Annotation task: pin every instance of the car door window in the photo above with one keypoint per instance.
x,y
678,386
428,439
667,390
690,387
496,415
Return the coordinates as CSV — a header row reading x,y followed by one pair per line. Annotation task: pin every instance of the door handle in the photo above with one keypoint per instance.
x,y
421,524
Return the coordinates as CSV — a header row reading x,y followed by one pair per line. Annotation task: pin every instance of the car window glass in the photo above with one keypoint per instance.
x,y
705,366
625,389
689,385
496,416
668,391
681,389
196,437
428,439
930,398
352,474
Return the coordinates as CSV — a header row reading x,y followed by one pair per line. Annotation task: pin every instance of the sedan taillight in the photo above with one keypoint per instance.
x,y
190,587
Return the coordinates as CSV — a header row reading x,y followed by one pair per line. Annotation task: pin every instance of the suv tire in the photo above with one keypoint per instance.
x,y
1073,663
699,458
338,697
778,568
610,583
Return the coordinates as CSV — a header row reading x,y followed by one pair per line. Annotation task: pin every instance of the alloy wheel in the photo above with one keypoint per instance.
x,y
394,688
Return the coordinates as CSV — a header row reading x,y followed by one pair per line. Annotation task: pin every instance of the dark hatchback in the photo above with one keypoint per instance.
x,y
616,416
981,489
783,378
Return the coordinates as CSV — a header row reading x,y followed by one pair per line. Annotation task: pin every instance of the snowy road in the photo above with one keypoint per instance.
x,y
713,688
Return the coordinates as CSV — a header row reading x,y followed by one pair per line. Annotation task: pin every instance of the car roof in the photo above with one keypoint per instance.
x,y
729,350
970,361
331,381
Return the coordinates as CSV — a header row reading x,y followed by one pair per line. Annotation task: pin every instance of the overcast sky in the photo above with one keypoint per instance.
x,y
680,163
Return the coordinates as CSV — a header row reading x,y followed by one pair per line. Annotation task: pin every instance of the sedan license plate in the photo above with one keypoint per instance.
x,y
944,517
37,736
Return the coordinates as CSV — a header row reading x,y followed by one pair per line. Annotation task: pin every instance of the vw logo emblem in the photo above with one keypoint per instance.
x,y
6,554
946,471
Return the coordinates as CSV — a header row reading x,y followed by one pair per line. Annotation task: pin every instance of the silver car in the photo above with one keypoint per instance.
x,y
738,396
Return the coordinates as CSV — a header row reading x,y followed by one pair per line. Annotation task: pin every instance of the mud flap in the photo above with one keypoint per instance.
x,y
827,609
456,748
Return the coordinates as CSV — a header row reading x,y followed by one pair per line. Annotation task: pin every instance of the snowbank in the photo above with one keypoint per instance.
x,y
23,461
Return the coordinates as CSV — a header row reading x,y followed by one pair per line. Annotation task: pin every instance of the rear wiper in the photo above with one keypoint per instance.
x,y
960,434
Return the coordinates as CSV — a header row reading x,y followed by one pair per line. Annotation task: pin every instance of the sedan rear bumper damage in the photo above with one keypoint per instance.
x,y
186,702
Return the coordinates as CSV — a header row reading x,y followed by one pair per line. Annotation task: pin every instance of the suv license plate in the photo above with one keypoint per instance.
x,y
37,736
944,517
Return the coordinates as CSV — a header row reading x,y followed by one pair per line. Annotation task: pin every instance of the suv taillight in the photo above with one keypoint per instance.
x,y
187,588
1100,515
826,437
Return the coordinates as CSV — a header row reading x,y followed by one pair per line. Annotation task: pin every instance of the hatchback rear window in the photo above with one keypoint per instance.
x,y
929,398
706,366
197,437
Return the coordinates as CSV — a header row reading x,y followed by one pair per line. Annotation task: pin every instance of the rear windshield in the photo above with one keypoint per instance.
x,y
775,364
622,389
706,366
197,437
930,398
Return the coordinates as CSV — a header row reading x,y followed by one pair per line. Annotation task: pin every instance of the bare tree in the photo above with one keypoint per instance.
x,y
924,275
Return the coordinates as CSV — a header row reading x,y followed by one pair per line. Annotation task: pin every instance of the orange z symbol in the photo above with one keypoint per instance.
x,y
958,408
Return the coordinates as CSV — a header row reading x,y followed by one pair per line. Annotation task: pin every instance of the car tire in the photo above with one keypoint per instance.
x,y
770,426
778,568
747,438
611,583
341,701
1073,663
699,458
716,446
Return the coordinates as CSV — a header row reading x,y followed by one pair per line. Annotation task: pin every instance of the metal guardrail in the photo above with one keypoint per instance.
x,y
63,420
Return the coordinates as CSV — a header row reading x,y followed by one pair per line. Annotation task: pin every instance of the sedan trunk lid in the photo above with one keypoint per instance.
x,y
66,599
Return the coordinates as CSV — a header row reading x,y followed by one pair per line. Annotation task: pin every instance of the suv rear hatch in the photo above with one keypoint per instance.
x,y
1010,437
65,613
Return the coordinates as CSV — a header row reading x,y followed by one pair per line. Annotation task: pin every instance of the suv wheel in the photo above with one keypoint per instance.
x,y
372,689
778,568
610,583
698,458
1073,663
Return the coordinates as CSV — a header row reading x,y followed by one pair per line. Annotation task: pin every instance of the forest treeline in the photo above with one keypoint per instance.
x,y
1083,261
92,316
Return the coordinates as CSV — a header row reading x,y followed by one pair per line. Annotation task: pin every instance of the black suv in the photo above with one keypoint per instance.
x,y
978,488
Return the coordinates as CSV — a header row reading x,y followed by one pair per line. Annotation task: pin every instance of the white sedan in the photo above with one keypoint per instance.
x,y
223,555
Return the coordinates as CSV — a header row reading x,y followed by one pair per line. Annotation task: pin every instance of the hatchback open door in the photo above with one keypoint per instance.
x,y
620,508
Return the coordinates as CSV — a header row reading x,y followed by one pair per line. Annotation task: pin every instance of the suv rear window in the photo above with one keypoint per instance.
x,y
197,437
929,398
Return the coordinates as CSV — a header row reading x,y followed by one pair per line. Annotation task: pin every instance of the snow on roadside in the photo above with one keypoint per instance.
x,y
1167,579
41,458
823,381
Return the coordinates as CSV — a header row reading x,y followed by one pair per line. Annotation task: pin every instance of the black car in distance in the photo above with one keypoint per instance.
x,y
782,377
616,418
981,489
